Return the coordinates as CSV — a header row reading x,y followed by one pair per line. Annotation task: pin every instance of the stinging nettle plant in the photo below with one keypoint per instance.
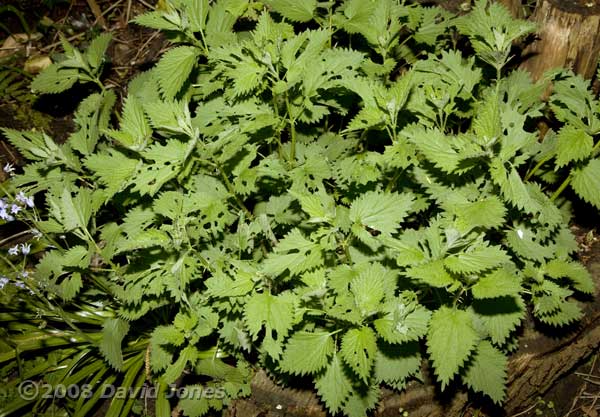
x,y
327,190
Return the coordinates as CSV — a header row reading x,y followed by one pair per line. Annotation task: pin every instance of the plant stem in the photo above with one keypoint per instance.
x,y
562,187
292,132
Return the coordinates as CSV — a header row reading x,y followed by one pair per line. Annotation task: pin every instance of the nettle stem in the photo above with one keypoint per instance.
x,y
292,158
562,187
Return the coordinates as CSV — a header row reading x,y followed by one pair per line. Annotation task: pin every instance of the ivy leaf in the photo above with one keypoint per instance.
x,y
174,68
295,10
487,372
307,352
113,333
499,283
358,351
573,144
450,341
586,182
381,211
334,386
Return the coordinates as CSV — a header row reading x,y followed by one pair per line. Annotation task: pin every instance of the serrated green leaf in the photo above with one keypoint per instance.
x,y
113,169
431,273
499,316
96,50
586,182
567,313
334,386
274,312
487,372
294,10
307,352
575,272
395,364
381,211
450,341
573,144
368,290
502,282
478,259
358,351
54,79
71,286
113,333
174,68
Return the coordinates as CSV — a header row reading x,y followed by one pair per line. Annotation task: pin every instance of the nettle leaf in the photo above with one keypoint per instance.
x,y
113,333
499,316
174,68
307,352
573,144
479,258
359,347
274,312
96,50
487,372
368,290
135,129
295,10
54,79
499,283
586,182
113,169
450,341
395,364
575,272
334,386
381,211
432,273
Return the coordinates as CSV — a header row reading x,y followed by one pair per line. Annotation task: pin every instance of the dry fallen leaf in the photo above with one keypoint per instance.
x,y
36,64
16,42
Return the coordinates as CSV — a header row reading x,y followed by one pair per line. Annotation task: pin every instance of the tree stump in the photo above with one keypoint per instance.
x,y
569,37
515,7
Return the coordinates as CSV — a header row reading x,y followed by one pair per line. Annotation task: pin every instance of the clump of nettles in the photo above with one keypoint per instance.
x,y
314,189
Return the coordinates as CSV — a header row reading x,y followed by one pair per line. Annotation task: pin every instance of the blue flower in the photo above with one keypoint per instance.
x,y
14,251
25,248
3,282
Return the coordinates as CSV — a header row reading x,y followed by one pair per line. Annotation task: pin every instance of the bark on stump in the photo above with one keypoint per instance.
x,y
569,37
539,363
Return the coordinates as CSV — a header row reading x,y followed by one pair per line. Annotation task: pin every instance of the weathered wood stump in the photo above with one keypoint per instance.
x,y
539,363
569,37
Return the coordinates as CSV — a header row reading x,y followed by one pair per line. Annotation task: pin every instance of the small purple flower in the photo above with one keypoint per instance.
x,y
14,209
36,234
23,199
8,168
5,216
20,284
3,205
24,274
25,248
3,282
14,251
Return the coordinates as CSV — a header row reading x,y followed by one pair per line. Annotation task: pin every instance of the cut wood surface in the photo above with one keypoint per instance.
x,y
539,363
568,36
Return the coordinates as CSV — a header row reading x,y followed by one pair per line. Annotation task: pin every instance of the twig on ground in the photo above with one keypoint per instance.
x,y
97,13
